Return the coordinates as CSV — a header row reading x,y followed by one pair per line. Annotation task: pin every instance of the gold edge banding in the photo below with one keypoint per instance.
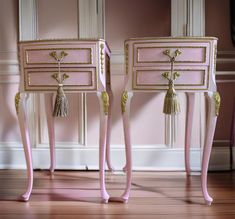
x,y
217,100
105,99
124,101
17,102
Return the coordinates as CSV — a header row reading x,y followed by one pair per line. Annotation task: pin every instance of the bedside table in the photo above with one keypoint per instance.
x,y
174,65
64,66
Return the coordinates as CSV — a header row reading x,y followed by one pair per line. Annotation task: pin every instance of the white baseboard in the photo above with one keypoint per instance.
x,y
144,158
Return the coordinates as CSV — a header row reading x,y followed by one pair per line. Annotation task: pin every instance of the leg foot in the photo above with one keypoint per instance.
x,y
210,129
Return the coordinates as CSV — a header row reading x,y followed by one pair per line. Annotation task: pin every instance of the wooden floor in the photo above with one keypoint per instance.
x,y
74,194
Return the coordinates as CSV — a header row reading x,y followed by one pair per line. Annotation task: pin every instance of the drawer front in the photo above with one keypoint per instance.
x,y
150,54
152,79
36,56
78,79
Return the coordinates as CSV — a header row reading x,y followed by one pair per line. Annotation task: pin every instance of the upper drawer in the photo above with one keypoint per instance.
x,y
152,54
75,55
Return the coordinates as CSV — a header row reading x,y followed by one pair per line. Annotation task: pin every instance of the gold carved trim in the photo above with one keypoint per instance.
x,y
102,57
217,100
17,102
105,99
126,56
124,101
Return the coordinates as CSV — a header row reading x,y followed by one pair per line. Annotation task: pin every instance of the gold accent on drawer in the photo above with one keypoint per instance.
x,y
217,100
124,101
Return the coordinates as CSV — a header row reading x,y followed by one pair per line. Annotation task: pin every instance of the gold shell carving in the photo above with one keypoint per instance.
x,y
17,102
124,101
105,99
217,100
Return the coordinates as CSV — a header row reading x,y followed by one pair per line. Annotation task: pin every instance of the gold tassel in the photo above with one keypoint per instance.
x,y
171,103
61,103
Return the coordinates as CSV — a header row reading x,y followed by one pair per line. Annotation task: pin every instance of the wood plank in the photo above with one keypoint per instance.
x,y
70,194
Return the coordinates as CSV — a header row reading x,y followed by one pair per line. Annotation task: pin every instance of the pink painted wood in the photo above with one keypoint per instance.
x,y
188,131
108,143
51,131
145,63
87,64
24,130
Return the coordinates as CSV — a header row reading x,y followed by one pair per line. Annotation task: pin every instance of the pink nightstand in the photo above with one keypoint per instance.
x,y
77,66
190,64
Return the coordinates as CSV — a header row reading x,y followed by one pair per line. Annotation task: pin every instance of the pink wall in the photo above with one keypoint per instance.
x,y
218,24
57,19
136,18
9,131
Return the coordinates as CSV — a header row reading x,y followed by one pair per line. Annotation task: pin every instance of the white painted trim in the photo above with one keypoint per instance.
x,y
196,18
144,158
27,19
91,21
178,17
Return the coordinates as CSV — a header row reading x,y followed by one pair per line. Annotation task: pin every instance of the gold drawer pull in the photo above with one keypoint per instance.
x,y
61,101
171,103
56,57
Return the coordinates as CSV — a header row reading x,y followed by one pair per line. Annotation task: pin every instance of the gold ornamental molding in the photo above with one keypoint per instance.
x,y
17,102
217,100
105,99
102,57
124,101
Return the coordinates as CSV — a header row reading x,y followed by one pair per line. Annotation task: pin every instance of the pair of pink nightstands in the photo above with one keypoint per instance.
x,y
152,65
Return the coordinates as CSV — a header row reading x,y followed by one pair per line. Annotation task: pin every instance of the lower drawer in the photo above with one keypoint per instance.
x,y
152,79
77,79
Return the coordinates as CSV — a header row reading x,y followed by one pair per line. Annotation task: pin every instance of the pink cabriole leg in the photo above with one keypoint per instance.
x,y
108,159
188,131
102,148
24,130
51,131
127,138
210,129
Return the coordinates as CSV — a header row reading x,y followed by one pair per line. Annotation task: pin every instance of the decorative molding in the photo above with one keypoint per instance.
x,y
164,159
178,18
196,18
187,18
91,18
27,19
28,31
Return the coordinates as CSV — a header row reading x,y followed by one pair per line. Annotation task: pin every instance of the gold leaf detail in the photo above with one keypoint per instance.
x,y
105,99
126,57
217,100
17,102
124,101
